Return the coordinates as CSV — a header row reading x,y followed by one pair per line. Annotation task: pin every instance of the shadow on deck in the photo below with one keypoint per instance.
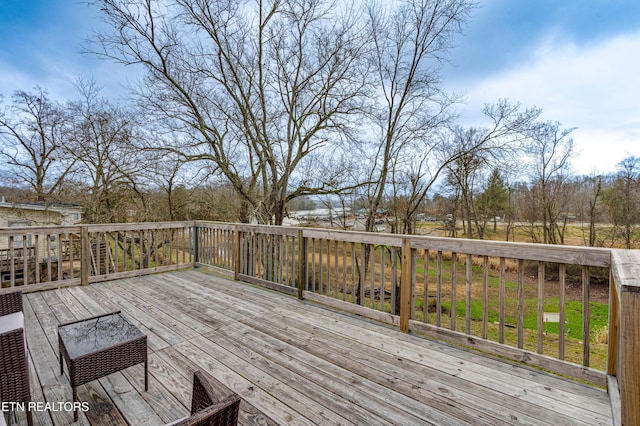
x,y
292,362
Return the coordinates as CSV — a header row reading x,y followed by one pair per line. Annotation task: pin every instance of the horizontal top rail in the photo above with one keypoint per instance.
x,y
138,226
32,230
354,236
269,229
225,226
576,255
107,227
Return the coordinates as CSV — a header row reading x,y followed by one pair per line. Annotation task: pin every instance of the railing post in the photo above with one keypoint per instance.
x,y
406,288
85,255
196,243
625,266
236,261
629,376
302,263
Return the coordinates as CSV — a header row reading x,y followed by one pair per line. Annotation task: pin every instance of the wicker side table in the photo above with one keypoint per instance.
x,y
99,346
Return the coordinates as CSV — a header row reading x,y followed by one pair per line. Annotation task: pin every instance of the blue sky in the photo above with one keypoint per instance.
x,y
579,60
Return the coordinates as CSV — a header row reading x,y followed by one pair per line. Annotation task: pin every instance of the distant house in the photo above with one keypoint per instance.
x,y
319,214
364,212
13,215
18,215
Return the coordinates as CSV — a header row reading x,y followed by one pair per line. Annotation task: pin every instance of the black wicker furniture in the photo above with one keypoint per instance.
x,y
14,363
206,410
99,346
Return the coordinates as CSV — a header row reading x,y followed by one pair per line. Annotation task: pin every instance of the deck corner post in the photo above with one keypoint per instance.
x,y
237,252
85,255
629,373
626,331
302,263
406,284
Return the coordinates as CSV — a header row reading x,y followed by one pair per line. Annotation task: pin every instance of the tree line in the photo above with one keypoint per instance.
x,y
246,108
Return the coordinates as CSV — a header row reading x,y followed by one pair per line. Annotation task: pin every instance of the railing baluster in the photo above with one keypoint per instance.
x,y
328,285
336,274
586,316
454,267
469,279
114,253
362,271
282,259
394,281
48,251
520,303
425,287
155,247
485,297
320,255
503,306
313,265
414,263
382,273
344,271
439,291
297,274
372,276
25,261
541,266
561,326
36,263
354,286
12,262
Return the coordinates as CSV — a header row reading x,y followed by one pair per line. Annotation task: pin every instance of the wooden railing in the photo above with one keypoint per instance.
x,y
53,257
40,257
494,296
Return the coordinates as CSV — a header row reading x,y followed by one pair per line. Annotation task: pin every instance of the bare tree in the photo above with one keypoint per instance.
x,y
409,43
463,173
256,87
551,149
101,143
178,181
465,151
623,200
31,135
589,190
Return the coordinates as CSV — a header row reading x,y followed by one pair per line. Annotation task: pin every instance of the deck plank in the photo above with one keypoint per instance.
x,y
337,377
536,392
180,364
363,405
293,362
389,374
269,403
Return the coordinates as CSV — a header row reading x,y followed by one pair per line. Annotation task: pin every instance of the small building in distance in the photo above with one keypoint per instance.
x,y
318,215
15,215
26,249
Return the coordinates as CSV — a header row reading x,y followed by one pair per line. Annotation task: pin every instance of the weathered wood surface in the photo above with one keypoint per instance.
x,y
576,255
293,362
627,330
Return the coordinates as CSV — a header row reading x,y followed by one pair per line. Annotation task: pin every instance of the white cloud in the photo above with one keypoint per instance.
x,y
594,88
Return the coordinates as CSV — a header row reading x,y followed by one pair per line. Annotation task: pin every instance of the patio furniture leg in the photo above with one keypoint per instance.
x,y
61,371
146,376
29,418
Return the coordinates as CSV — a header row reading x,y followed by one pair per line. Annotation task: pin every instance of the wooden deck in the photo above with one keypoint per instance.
x,y
293,363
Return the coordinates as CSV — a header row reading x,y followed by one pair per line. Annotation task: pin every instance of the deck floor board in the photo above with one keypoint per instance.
x,y
293,363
